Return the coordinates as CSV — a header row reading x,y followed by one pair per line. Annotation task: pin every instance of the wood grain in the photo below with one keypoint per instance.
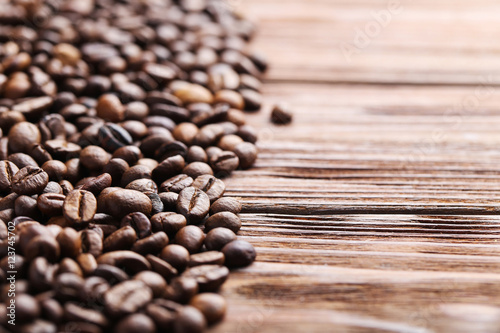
x,y
377,209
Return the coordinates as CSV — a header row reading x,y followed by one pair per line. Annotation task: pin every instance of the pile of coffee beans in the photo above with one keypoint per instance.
x,y
118,120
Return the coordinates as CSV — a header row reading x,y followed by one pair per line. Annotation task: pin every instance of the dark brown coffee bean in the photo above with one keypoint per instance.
x,y
39,154
206,258
112,137
133,323
66,186
134,173
130,154
121,202
190,237
143,185
7,172
80,206
190,320
51,204
196,169
110,273
176,183
213,187
163,317
52,310
97,184
209,277
22,136
154,281
87,262
42,246
70,242
208,135
151,244
181,289
213,306
196,154
253,100
67,287
136,110
73,312
68,265
110,108
27,308
176,255
185,132
92,242
226,204
169,200
223,220
170,149
168,222
126,298
239,253
168,168
53,187
29,180
193,203
62,149
229,142
162,267
116,167
217,238
280,115
139,222
224,163
93,290
22,160
247,154
94,157
121,239
130,261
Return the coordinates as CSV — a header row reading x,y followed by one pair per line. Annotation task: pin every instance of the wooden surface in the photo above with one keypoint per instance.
x,y
377,209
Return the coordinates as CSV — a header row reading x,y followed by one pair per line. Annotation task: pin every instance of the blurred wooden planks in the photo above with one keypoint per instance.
x,y
377,209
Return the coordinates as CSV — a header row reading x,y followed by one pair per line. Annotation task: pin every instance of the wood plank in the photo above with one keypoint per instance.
x,y
440,42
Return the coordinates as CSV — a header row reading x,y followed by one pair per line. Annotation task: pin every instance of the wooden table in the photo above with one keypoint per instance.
x,y
377,209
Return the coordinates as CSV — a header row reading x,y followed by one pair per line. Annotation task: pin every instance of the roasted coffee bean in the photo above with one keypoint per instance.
x,y
62,149
181,289
87,262
94,289
139,222
22,160
142,185
94,157
229,142
168,168
126,298
79,206
52,310
121,202
206,258
112,137
27,206
169,200
168,222
247,154
134,173
176,255
70,242
133,323
213,187
67,287
151,244
116,167
163,317
130,154
223,220
121,239
73,312
224,163
40,274
239,253
68,265
7,172
29,180
193,203
110,273
176,183
22,136
196,154
27,308
280,115
217,238
197,169
53,187
154,281
213,306
51,204
127,260
97,184
91,242
162,267
209,277
110,108
170,149
225,204
190,320
185,132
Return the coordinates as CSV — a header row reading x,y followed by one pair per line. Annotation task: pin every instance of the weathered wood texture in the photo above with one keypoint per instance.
x,y
376,210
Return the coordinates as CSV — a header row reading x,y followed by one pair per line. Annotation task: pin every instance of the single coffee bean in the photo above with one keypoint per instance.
x,y
194,204
40,274
22,136
133,323
110,273
42,246
252,100
168,222
129,261
169,200
239,253
196,154
247,154
92,242
176,183
190,237
213,187
112,137
170,149
94,157
280,115
29,180
94,289
154,281
87,262
196,169
185,132
139,222
27,206
27,308
142,185
121,202
229,142
223,220
213,306
209,277
97,184
110,108
67,287
217,238
162,267
80,206
126,298
121,239
51,204
225,204
7,172
134,173
68,265
74,312
169,167
151,244
190,320
52,310
181,289
53,187
176,255
224,163
116,167
206,258
130,154
22,160
163,317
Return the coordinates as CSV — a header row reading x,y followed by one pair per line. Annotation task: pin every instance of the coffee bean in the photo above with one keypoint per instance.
x,y
68,265
176,183
92,242
70,242
196,154
121,239
134,173
116,167
193,93
79,206
110,108
229,142
22,160
194,204
224,163
247,154
52,310
29,180
225,204
223,220
176,255
94,157
87,262
22,136
151,244
166,270
206,258
126,298
51,204
139,222
98,184
127,260
27,308
213,306
213,187
209,277
121,202
168,168
190,320
181,289
154,281
163,317
112,137
68,286
133,323
55,169
94,289
130,154
7,172
73,312
280,115
143,185
252,100
217,238
239,253
190,237
110,273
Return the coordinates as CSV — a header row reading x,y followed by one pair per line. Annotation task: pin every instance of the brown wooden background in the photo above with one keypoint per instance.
x,y
376,211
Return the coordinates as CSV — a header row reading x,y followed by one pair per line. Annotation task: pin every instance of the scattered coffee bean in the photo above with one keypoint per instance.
x,y
213,306
281,116
239,253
